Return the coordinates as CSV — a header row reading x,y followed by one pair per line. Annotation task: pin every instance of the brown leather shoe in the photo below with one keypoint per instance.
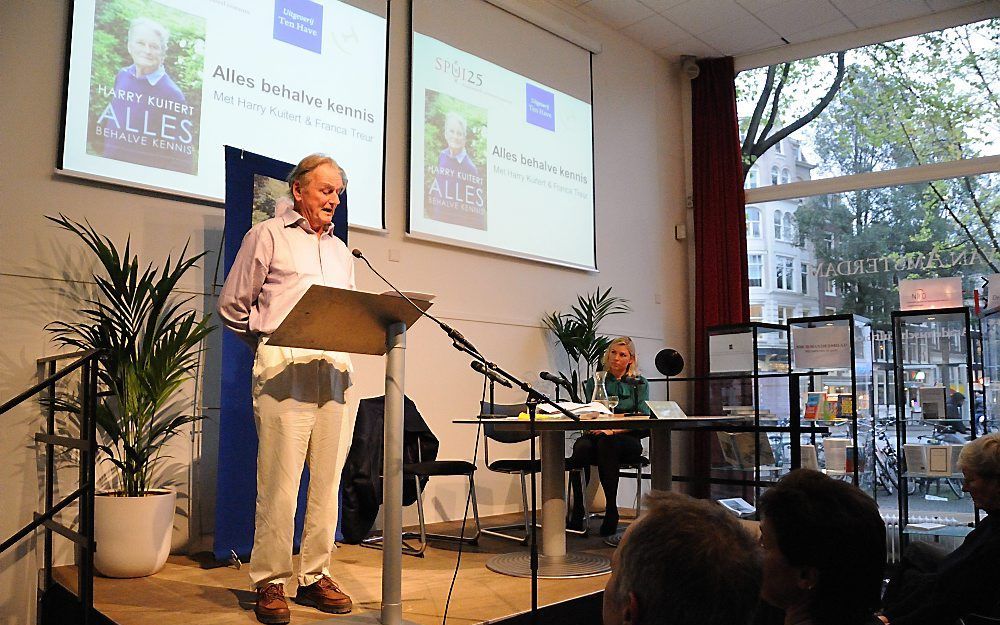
x,y
324,595
271,606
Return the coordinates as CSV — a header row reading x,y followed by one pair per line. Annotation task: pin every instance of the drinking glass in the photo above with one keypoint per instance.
x,y
612,402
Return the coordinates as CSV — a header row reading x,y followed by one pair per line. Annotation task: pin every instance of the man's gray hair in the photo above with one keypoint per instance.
x,y
301,171
158,28
689,562
982,456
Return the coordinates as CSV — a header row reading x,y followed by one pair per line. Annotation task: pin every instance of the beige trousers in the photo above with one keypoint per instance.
x,y
301,412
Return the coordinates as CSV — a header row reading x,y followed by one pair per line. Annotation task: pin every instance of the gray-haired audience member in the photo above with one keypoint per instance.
x,y
824,550
966,580
684,562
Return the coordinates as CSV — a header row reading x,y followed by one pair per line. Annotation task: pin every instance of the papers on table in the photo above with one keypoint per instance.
x,y
575,408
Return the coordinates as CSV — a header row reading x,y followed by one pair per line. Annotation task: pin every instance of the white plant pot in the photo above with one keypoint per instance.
x,y
133,533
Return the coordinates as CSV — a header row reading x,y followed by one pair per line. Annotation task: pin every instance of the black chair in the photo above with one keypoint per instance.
x,y
522,467
422,471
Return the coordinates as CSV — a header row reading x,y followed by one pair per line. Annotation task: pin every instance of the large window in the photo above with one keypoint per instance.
x,y
897,173
910,102
783,273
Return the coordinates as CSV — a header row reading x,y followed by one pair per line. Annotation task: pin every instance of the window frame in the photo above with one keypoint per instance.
x,y
784,272
761,270
755,232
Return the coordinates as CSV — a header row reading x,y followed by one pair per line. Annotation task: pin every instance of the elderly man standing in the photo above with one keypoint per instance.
x,y
299,400
684,562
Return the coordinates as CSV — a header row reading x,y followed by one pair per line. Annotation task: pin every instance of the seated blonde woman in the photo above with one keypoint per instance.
x,y
609,449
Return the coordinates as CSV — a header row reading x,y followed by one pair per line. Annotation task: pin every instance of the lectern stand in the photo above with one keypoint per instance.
x,y
356,322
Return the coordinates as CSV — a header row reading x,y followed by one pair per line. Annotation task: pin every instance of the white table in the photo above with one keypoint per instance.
x,y
554,561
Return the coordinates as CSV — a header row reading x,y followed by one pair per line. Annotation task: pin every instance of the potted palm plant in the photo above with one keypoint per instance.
x,y
150,347
577,332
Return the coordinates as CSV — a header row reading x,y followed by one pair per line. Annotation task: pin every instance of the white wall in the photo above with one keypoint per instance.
x,y
496,301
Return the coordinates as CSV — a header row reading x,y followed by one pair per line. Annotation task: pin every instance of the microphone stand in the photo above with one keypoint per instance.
x,y
534,398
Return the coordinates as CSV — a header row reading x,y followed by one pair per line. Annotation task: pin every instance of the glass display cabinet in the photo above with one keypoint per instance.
x,y
938,363
748,377
831,356
987,405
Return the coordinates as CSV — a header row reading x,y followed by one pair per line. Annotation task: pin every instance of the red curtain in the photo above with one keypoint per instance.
x,y
721,282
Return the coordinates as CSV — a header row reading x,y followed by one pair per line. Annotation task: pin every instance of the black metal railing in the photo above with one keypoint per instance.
x,y
83,537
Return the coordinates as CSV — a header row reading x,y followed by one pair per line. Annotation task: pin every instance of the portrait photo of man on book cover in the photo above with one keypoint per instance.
x,y
454,150
146,85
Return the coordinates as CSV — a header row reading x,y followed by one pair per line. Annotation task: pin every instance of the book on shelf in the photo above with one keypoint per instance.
x,y
916,458
738,506
939,460
746,411
835,453
738,449
810,460
815,405
932,402
845,407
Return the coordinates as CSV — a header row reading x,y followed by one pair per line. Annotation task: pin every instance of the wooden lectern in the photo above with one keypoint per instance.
x,y
341,320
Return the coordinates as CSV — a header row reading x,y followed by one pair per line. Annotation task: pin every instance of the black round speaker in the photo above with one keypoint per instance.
x,y
669,362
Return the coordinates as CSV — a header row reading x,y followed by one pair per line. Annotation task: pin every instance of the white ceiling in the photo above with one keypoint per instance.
x,y
710,28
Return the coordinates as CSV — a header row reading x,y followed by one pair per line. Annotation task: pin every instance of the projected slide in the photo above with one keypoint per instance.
x,y
499,161
157,88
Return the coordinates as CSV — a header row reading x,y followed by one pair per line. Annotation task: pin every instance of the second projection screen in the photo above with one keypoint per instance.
x,y
500,160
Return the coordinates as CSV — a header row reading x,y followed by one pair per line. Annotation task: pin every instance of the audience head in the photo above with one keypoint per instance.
x,y
620,358
684,562
824,548
980,462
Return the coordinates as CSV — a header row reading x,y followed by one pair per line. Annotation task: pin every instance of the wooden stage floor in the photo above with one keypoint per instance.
x,y
189,590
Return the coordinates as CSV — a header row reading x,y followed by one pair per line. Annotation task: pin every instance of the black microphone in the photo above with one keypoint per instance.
x,y
479,367
548,377
452,333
